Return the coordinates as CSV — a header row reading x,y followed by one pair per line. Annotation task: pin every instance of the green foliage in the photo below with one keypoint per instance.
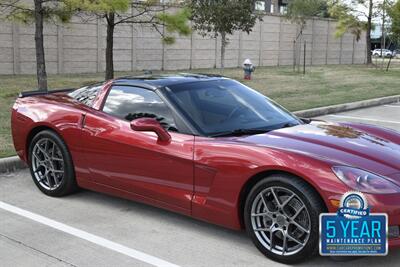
x,y
176,22
222,16
100,6
394,13
350,19
168,39
21,11
148,12
299,10
351,24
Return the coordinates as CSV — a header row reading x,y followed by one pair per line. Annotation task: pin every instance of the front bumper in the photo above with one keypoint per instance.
x,y
389,204
394,243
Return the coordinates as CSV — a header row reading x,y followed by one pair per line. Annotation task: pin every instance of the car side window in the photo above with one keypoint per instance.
x,y
130,103
87,94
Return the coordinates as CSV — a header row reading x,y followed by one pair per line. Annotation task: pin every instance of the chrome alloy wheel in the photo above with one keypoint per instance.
x,y
280,221
47,164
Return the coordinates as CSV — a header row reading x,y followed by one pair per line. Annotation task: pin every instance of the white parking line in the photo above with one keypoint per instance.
x,y
392,106
361,118
87,236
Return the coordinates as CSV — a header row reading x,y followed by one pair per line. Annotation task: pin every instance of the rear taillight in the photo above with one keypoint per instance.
x,y
15,106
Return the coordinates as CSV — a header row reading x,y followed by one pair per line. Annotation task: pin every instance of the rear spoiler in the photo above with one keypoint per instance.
x,y
35,93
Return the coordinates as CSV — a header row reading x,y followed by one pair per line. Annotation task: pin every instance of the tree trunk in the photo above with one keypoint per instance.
x,y
368,35
39,45
383,44
110,45
223,46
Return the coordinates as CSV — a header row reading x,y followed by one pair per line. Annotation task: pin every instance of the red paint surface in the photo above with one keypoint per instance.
x,y
206,177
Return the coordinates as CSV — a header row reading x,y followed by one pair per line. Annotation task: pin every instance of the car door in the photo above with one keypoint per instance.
x,y
136,162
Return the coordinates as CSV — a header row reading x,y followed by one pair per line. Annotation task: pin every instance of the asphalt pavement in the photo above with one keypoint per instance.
x,y
93,229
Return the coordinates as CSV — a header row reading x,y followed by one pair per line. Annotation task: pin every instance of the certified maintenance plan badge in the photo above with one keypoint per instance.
x,y
353,231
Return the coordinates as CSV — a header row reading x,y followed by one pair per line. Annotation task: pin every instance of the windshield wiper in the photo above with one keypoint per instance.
x,y
306,120
238,132
288,125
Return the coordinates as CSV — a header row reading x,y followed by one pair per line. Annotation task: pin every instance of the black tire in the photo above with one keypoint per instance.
x,y
68,184
312,202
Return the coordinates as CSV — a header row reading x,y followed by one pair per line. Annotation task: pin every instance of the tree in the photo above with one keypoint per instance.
x,y
41,11
394,14
116,12
355,16
300,10
222,18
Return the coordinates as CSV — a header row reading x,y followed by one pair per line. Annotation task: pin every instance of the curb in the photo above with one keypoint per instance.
x,y
11,164
315,112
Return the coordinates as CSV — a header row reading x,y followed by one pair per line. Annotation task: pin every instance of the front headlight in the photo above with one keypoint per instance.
x,y
364,181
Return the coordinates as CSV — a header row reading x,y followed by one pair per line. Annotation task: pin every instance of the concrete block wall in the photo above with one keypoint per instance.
x,y
7,55
79,47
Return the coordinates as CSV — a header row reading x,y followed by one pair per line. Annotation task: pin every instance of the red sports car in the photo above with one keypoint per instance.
x,y
211,148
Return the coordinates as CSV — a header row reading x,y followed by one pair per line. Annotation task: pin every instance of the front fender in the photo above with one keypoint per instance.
x,y
223,171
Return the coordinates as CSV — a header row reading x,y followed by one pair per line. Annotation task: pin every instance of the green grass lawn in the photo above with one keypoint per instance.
x,y
321,86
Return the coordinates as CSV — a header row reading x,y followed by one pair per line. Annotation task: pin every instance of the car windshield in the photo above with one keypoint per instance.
x,y
226,107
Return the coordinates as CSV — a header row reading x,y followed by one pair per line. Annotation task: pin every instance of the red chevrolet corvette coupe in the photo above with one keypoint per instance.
x,y
211,148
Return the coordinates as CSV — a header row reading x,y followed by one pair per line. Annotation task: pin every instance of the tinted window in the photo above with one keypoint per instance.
x,y
87,94
225,105
129,103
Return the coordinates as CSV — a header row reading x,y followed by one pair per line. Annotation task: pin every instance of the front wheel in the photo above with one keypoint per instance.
x,y
51,165
282,218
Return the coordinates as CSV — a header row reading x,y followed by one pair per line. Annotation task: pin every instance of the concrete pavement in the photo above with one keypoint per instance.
x,y
170,237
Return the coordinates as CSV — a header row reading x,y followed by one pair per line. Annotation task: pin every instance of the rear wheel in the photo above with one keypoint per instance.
x,y
282,218
51,165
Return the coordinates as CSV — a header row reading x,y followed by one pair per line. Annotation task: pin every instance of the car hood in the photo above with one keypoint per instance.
x,y
333,143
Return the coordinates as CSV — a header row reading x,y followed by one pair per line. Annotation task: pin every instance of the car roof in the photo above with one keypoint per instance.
x,y
162,80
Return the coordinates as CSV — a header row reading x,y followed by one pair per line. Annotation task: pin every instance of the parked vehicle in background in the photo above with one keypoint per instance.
x,y
385,52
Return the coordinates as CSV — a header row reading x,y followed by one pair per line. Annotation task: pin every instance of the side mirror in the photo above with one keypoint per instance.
x,y
150,125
